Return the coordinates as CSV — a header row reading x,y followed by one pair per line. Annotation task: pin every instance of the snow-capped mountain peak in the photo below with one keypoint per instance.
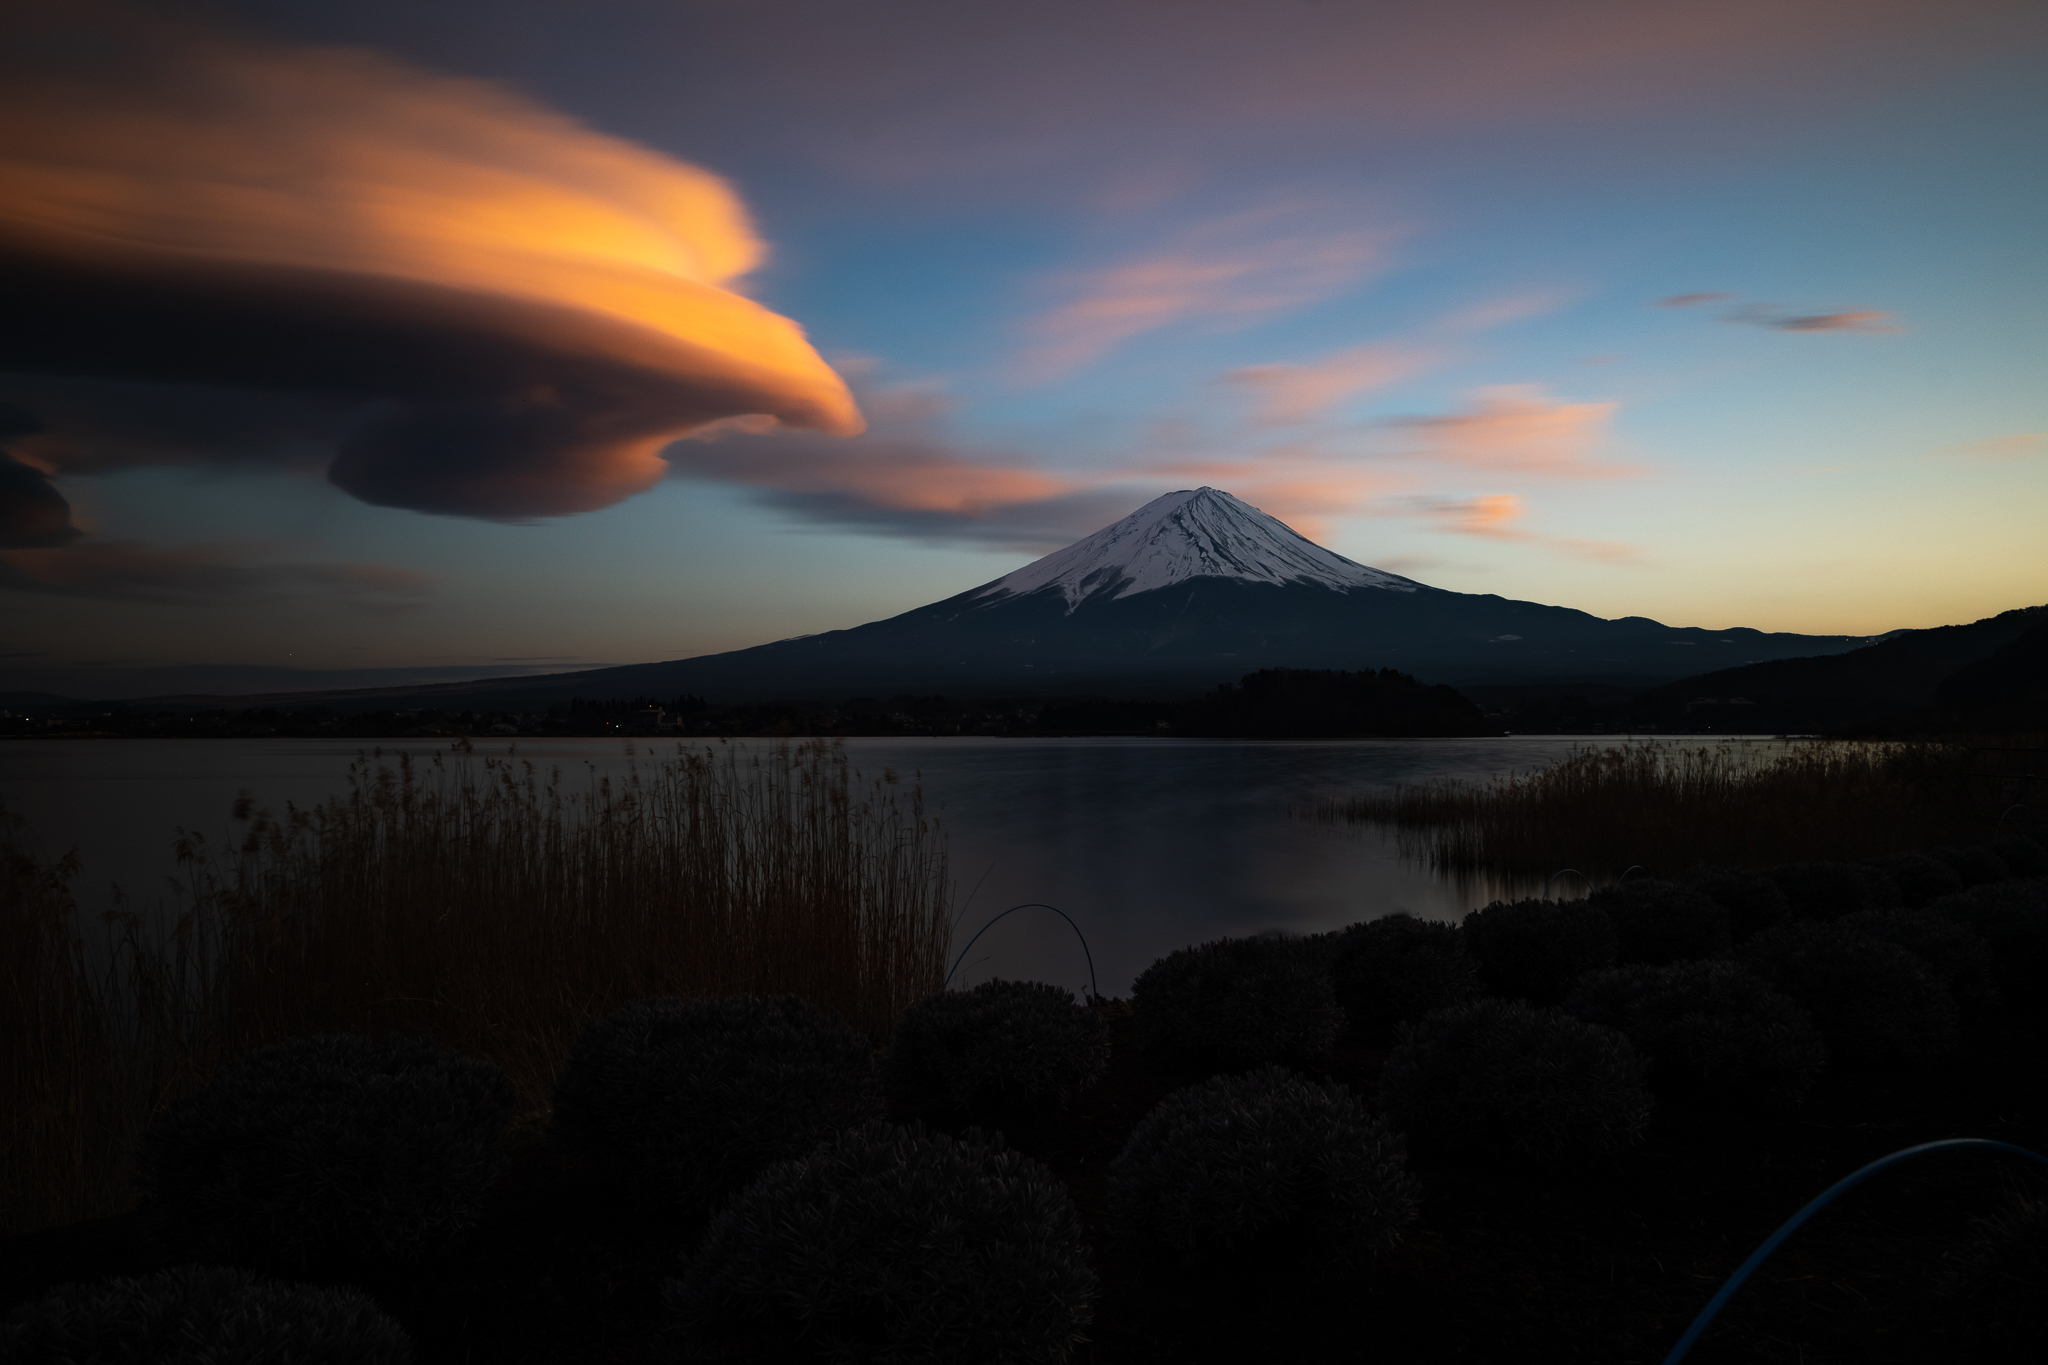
x,y
1195,533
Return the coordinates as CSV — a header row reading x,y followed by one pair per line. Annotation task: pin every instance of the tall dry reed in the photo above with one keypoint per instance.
x,y
479,901
1669,808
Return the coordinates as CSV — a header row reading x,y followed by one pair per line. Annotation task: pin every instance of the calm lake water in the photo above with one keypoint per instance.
x,y
1148,844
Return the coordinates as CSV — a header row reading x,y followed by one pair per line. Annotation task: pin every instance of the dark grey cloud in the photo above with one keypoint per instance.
x,y
240,570
33,514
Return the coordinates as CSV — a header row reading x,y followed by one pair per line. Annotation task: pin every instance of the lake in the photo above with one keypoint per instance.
x,y
1148,844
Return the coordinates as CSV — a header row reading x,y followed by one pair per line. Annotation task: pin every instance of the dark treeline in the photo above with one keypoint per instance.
x,y
1299,703
1270,704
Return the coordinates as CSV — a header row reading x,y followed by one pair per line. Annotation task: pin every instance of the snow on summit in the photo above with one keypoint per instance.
x,y
1198,533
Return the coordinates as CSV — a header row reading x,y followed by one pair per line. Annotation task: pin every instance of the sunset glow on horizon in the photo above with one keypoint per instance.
x,y
381,336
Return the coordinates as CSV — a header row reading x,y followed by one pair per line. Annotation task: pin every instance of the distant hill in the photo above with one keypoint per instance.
x,y
2004,692
1961,667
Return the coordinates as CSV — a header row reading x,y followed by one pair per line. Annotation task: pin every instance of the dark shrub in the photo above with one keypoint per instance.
x,y
2013,917
1501,1078
891,1244
1237,1002
1998,1280
1659,922
1535,950
202,1315
1711,1031
1753,901
1919,878
337,1145
1873,1001
2023,857
684,1101
1959,955
1975,864
1824,891
1400,968
1006,1049
1262,1170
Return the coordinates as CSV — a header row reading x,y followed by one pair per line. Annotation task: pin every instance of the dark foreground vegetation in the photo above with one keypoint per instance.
x,y
1665,808
481,902
1546,1134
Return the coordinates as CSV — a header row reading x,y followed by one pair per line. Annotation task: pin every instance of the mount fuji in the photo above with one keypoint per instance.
x,y
1192,589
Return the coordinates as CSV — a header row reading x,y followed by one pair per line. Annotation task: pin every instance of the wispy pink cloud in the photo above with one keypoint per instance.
x,y
1518,428
1287,395
1838,322
1499,312
908,475
2019,445
1494,516
1224,272
1695,299
1778,319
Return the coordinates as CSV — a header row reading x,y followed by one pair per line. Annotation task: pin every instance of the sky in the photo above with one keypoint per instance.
x,y
376,341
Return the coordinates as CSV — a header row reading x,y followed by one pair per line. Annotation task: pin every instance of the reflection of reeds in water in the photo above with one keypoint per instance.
x,y
1668,808
476,901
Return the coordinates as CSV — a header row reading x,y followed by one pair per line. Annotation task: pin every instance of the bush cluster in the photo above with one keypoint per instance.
x,y
1825,891
1920,879
1006,1049
1872,1001
1534,950
2023,857
1959,955
684,1101
332,1146
1261,1170
1998,1279
1237,1002
1502,1078
1975,864
1657,922
2013,918
1711,1031
890,1244
1399,968
202,1315
1753,901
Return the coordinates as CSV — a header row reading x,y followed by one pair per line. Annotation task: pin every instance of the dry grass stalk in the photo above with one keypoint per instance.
x,y
1669,808
477,901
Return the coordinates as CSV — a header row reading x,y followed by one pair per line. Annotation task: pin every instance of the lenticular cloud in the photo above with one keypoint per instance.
x,y
522,312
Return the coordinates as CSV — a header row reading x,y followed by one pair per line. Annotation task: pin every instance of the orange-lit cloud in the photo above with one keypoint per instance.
x,y
191,573
1493,517
1227,271
526,311
1287,395
1518,428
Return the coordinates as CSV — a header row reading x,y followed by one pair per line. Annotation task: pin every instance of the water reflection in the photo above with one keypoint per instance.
x,y
1148,844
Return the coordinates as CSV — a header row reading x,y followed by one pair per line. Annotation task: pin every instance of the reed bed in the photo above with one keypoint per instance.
x,y
479,901
1667,808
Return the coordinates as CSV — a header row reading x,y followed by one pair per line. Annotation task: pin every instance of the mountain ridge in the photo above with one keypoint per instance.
x,y
1194,589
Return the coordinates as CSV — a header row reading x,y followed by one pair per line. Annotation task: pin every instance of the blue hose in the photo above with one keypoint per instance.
x,y
1792,1224
1093,994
